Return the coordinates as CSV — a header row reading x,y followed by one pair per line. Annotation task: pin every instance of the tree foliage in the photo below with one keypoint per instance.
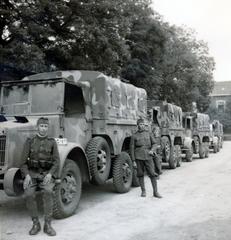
x,y
121,38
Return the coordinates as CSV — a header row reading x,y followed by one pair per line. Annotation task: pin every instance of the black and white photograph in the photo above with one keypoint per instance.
x,y
115,119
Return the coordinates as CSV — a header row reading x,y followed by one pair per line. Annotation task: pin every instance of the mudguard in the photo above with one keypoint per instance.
x,y
13,182
64,150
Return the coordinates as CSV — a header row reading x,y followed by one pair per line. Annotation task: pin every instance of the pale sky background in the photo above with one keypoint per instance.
x,y
211,19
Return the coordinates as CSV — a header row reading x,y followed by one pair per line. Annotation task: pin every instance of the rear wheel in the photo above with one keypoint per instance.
x,y
122,172
67,194
99,156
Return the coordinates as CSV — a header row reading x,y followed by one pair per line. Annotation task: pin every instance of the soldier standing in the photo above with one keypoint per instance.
x,y
141,148
157,154
40,168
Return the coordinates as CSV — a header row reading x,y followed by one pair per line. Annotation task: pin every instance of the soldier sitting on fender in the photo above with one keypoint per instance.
x,y
141,149
40,167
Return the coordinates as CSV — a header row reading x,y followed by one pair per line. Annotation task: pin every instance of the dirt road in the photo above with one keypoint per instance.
x,y
196,206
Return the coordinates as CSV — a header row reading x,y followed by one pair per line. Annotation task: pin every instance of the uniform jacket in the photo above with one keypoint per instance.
x,y
40,154
141,143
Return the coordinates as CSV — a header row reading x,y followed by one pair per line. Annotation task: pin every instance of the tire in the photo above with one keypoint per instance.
x,y
178,154
166,146
67,194
218,147
196,145
206,150
135,179
202,151
122,172
189,154
99,157
173,157
215,148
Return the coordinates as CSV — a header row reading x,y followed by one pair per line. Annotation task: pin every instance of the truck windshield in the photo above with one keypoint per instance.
x,y
32,98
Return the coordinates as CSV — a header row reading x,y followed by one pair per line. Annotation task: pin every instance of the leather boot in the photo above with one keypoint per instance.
x,y
154,186
143,191
36,226
48,228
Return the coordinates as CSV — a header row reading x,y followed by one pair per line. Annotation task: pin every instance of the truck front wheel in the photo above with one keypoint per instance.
x,y
178,154
173,157
99,156
67,193
189,154
122,172
202,150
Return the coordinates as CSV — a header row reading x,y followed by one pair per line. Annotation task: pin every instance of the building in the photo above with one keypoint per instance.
x,y
221,95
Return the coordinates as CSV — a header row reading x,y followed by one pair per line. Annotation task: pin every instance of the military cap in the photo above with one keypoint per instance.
x,y
42,120
140,120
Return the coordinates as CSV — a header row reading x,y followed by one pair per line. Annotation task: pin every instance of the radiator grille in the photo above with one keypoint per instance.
x,y
2,150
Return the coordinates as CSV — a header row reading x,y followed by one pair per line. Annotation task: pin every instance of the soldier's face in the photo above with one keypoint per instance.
x,y
43,129
141,126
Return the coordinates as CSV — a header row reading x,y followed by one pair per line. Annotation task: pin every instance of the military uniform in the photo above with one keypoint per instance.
x,y
40,156
158,155
142,142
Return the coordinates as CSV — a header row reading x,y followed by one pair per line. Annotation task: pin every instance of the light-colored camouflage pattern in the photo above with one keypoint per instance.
x,y
169,118
79,105
200,126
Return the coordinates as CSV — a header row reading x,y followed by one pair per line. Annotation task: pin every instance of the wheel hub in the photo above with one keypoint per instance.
x,y
101,161
126,172
68,189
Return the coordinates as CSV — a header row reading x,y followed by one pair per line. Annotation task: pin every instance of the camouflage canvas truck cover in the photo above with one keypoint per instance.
x,y
169,118
197,131
216,136
92,117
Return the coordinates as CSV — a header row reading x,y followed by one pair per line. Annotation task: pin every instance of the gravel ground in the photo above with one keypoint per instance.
x,y
195,206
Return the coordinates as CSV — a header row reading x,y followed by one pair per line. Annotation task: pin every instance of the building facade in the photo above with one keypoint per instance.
x,y
221,95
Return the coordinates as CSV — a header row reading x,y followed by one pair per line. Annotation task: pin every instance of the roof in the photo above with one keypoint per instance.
x,y
221,89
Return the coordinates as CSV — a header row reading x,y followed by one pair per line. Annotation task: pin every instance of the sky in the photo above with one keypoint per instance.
x,y
211,19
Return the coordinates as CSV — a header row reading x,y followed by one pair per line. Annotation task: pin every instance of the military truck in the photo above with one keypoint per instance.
x,y
92,117
216,136
169,119
197,131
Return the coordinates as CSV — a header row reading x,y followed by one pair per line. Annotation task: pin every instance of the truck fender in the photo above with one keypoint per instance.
x,y
65,150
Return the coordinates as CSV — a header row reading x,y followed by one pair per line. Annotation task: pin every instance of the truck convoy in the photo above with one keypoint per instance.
x,y
92,117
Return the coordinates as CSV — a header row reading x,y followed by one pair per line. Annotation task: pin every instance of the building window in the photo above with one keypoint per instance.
x,y
220,106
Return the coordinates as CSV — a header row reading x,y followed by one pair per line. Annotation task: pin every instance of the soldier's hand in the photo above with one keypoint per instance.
x,y
151,153
134,164
27,181
47,179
